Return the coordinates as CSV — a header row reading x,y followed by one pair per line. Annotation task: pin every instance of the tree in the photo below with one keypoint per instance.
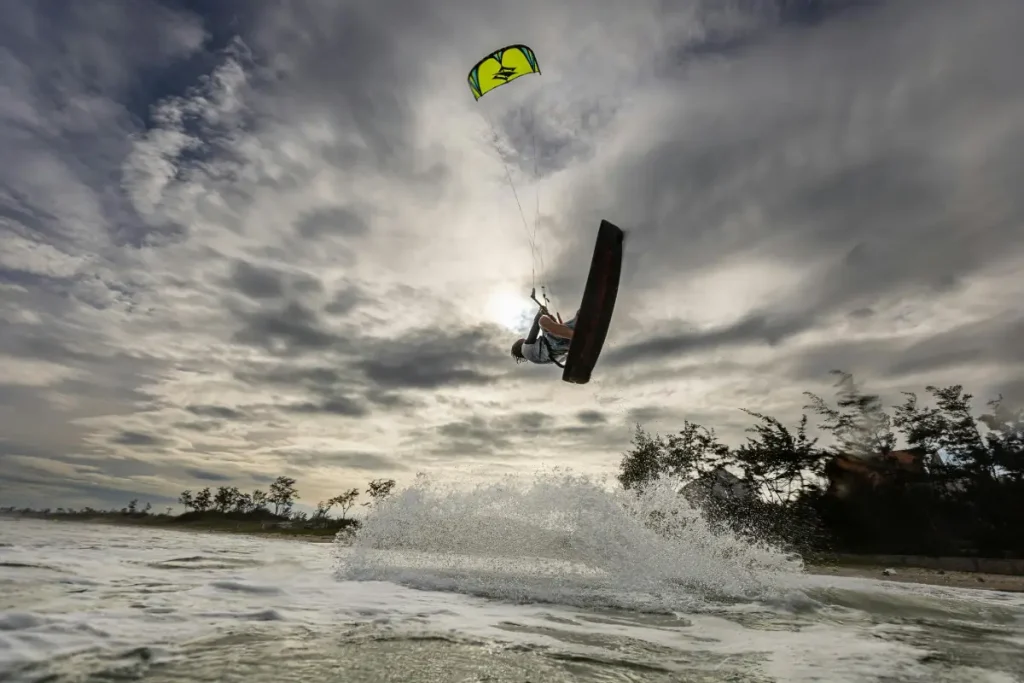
x,y
185,500
322,509
1005,438
283,495
133,506
859,425
693,452
643,464
224,499
243,502
378,490
949,428
778,461
202,500
259,500
345,501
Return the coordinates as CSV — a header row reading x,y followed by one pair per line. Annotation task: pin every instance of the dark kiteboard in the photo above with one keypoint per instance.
x,y
598,303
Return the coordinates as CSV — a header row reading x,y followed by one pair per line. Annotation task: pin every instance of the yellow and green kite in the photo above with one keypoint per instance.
x,y
500,67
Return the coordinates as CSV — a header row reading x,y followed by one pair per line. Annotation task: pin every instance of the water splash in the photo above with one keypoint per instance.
x,y
560,537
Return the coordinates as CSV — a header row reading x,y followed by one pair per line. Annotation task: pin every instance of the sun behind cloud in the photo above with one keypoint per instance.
x,y
510,309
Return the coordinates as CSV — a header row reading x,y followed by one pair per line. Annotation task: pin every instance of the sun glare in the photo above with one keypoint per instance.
x,y
508,309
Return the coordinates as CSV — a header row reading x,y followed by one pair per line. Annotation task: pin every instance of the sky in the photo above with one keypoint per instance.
x,y
241,240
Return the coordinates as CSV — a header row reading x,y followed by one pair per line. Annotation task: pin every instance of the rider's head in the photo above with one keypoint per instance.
x,y
517,351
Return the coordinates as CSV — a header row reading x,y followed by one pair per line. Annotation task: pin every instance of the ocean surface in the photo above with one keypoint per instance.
x,y
554,581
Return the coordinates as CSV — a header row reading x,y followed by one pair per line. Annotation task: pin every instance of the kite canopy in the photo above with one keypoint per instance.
x,y
500,67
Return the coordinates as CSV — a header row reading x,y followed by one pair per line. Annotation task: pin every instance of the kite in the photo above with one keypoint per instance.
x,y
501,67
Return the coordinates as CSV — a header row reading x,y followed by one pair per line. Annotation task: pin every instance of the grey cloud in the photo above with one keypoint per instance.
x,y
363,460
429,359
133,438
475,428
9,447
339,390
472,436
391,400
207,475
991,341
591,417
803,172
1012,392
200,426
345,301
646,414
221,412
755,328
264,282
320,37
336,405
532,421
478,435
963,348
319,378
37,489
337,221
257,283
913,363
290,330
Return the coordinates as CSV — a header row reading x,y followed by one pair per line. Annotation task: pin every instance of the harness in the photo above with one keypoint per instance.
x,y
551,352
543,338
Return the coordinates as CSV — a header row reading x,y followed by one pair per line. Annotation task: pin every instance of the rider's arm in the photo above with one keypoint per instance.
x,y
552,326
535,330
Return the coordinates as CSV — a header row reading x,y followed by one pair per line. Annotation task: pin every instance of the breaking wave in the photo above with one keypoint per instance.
x,y
564,538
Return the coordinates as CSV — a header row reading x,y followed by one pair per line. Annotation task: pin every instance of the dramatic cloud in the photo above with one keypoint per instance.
x,y
265,238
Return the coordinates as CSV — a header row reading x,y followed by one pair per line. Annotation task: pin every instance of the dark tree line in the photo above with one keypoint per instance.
x,y
955,487
274,505
278,503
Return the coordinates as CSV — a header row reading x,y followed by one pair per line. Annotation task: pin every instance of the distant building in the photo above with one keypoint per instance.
x,y
721,485
848,473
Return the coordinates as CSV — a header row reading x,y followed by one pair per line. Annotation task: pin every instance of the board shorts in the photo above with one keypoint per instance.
x,y
560,345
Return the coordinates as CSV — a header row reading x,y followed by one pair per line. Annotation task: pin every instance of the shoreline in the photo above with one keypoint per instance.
x,y
821,566
921,575
207,526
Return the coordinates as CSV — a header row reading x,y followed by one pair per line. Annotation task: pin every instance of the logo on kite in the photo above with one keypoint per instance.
x,y
504,73
501,67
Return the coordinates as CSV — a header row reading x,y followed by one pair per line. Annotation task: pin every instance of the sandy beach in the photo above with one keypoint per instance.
x,y
933,577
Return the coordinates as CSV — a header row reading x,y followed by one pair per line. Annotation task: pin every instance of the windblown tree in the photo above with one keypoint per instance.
x,y
283,495
693,452
225,498
378,490
243,502
858,424
777,461
345,501
203,500
260,500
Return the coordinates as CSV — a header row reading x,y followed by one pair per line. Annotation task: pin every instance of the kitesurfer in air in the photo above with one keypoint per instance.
x,y
548,340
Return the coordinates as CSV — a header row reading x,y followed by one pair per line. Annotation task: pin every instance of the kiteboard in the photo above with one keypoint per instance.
x,y
598,303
